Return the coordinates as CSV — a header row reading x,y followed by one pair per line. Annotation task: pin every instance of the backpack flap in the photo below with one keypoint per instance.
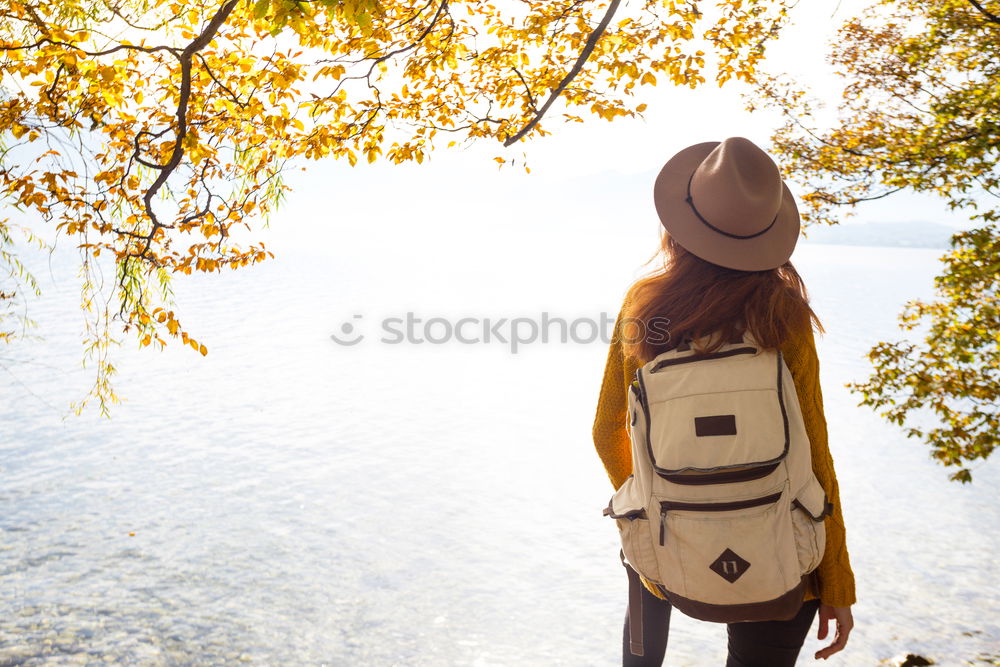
x,y
720,413
628,502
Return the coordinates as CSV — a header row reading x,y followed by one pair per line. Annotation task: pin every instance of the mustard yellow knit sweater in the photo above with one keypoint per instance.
x,y
836,580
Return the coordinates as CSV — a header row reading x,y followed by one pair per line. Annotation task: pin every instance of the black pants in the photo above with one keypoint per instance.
x,y
760,644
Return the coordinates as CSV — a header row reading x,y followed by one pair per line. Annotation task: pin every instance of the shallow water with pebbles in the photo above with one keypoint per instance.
x,y
287,500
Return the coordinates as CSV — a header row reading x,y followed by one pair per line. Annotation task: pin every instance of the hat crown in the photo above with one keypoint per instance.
x,y
737,188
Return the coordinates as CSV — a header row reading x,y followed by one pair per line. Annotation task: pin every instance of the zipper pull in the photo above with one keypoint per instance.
x,y
663,526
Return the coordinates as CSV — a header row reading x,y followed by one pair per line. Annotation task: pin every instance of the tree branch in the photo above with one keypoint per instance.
x,y
991,17
105,52
185,58
577,66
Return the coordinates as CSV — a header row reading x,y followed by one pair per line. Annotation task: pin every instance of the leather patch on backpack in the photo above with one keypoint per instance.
x,y
729,565
715,425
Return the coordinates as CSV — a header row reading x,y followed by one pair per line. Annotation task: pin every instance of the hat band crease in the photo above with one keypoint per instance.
x,y
690,202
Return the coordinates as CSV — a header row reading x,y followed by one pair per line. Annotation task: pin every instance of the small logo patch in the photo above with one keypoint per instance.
x,y
715,425
729,566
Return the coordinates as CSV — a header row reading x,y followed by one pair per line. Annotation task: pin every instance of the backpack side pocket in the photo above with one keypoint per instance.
x,y
637,543
809,510
807,540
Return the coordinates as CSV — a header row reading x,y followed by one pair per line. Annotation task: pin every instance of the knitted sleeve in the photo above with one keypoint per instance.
x,y
610,434
836,579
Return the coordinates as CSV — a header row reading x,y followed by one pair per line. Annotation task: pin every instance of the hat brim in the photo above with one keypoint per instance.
x,y
760,253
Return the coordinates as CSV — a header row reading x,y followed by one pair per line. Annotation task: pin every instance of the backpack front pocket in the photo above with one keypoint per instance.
x,y
737,552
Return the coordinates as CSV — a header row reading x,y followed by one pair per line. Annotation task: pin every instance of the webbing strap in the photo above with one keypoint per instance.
x,y
634,609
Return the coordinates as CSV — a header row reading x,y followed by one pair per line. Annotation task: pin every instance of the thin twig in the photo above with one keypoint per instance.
x,y
531,98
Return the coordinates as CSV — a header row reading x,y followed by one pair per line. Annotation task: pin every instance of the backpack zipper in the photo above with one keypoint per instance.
x,y
710,507
722,477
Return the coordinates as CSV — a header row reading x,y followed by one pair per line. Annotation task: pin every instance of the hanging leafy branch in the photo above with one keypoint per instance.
x,y
919,114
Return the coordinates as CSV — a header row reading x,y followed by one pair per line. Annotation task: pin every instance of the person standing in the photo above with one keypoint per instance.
x,y
729,226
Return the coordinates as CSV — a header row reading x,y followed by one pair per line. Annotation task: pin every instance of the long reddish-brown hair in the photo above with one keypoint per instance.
x,y
690,298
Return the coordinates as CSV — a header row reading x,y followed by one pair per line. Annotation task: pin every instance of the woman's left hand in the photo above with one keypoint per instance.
x,y
845,622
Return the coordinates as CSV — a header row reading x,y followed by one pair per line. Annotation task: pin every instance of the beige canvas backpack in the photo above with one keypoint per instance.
x,y
722,512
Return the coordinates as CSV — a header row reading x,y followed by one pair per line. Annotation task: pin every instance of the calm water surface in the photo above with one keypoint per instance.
x,y
286,500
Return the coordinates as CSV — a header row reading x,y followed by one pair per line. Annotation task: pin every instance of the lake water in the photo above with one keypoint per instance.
x,y
286,500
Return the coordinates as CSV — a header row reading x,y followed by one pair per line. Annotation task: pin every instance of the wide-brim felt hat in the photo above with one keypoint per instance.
x,y
725,202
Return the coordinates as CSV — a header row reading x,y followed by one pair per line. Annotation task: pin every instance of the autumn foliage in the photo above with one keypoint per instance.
x,y
148,128
918,113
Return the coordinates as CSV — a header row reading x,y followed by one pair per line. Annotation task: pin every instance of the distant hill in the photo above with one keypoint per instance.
x,y
892,234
